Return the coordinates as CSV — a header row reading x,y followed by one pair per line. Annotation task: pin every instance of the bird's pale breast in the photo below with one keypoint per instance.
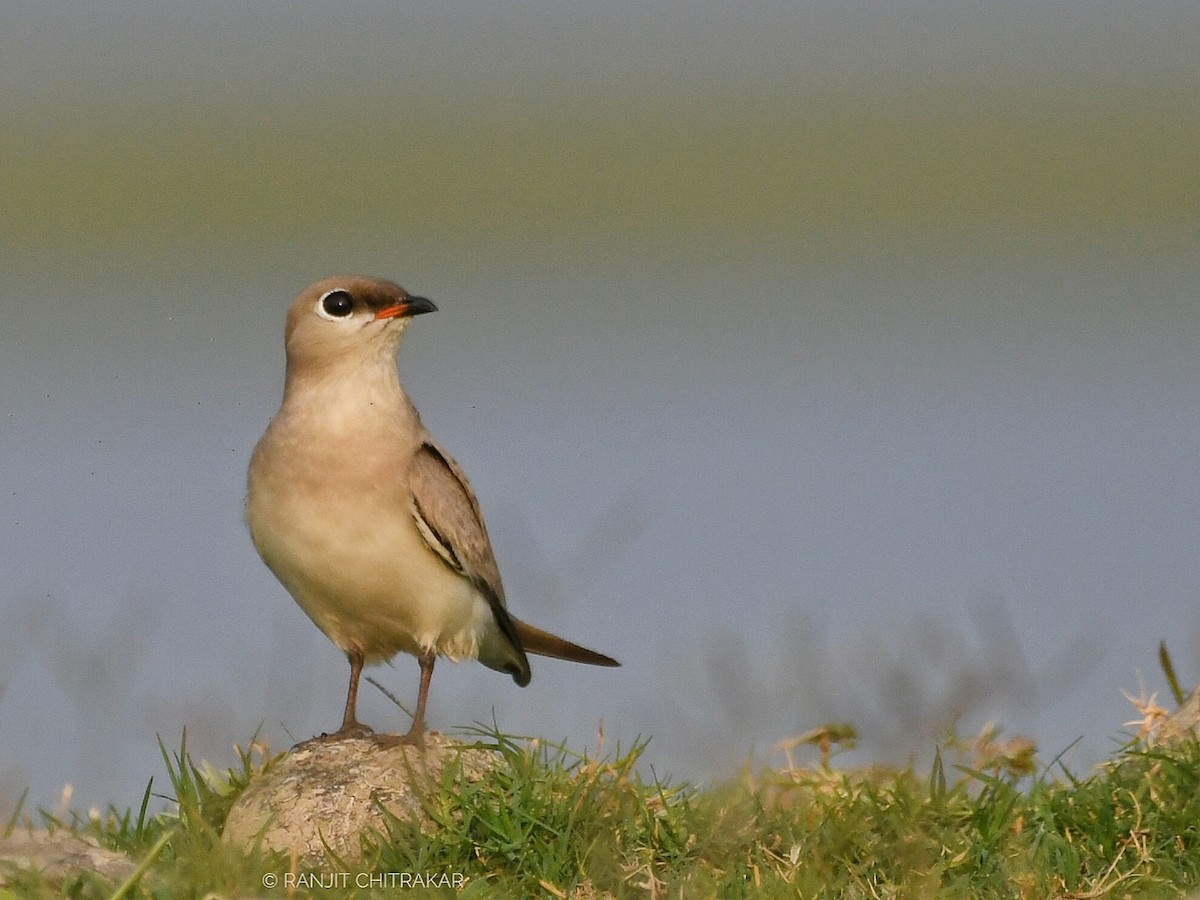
x,y
347,548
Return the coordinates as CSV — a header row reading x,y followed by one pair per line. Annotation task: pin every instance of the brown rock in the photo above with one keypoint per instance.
x,y
58,855
329,792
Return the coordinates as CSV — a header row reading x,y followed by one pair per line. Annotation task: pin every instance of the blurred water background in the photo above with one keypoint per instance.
x,y
820,362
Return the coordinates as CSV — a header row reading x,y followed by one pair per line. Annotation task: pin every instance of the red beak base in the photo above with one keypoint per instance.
x,y
411,306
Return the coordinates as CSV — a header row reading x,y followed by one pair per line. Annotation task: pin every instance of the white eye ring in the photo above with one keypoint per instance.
x,y
336,305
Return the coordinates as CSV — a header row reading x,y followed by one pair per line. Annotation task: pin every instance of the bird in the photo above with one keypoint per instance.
x,y
369,524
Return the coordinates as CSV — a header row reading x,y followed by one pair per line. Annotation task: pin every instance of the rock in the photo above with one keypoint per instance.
x,y
59,855
329,791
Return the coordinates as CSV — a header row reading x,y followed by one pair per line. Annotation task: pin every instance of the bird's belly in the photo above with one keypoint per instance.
x,y
364,575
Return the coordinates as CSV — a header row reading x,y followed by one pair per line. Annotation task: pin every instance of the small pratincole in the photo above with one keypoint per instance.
x,y
369,524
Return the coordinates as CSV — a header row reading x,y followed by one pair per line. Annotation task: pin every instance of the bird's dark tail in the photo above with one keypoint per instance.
x,y
543,643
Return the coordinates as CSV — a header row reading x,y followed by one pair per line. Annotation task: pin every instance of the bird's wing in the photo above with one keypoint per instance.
x,y
447,515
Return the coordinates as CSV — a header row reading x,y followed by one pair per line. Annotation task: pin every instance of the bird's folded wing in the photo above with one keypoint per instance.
x,y
447,515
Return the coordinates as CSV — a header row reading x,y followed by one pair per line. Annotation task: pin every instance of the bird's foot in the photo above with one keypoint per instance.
x,y
414,737
348,731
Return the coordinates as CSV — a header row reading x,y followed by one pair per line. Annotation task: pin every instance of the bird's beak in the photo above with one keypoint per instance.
x,y
412,306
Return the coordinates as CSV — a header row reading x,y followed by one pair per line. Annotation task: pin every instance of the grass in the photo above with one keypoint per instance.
x,y
550,822
985,822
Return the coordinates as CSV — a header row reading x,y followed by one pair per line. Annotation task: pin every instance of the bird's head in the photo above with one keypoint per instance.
x,y
349,316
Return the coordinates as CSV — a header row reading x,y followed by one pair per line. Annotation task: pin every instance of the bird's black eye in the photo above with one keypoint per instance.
x,y
337,304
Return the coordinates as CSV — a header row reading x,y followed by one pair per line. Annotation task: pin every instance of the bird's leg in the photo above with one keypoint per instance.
x,y
426,661
415,735
350,724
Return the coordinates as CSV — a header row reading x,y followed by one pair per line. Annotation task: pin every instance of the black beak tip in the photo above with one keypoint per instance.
x,y
418,305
